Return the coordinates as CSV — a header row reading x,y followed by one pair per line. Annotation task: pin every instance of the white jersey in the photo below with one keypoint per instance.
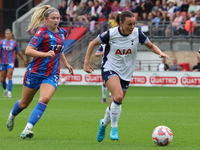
x,y
121,51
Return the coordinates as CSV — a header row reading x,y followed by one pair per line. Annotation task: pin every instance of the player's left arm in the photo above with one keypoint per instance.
x,y
156,50
66,64
143,39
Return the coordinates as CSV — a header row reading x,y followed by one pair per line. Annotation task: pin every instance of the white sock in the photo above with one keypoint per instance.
x,y
109,94
115,111
28,126
104,90
106,119
11,115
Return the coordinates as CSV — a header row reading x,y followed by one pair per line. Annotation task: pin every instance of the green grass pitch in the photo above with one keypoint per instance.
x,y
71,119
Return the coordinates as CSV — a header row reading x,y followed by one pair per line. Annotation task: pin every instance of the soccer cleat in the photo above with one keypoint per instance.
x,y
27,134
114,134
9,94
5,93
104,100
10,122
101,132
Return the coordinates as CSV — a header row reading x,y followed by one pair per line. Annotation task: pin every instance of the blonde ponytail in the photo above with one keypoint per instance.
x,y
37,19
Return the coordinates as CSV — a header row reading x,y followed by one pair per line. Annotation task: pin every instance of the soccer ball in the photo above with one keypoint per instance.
x,y
162,135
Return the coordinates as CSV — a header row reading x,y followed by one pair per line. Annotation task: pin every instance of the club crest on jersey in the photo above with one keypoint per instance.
x,y
123,52
34,39
102,34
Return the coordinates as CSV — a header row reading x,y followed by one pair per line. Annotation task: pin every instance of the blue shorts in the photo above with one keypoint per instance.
x,y
108,74
4,67
33,81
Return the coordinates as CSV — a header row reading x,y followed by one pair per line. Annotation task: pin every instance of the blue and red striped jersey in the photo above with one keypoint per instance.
x,y
44,40
7,51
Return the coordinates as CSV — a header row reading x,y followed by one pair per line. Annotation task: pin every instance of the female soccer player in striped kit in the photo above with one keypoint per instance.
x,y
118,65
8,47
46,48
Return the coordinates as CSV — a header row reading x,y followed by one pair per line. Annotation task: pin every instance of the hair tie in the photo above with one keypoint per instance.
x,y
51,12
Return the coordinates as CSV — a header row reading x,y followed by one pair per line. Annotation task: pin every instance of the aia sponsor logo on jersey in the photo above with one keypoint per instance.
x,y
123,52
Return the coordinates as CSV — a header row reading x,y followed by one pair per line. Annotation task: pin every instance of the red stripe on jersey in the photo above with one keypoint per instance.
x,y
50,67
46,42
6,56
36,66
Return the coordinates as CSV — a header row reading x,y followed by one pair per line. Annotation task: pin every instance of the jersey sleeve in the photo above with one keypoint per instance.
x,y
143,39
104,37
36,39
100,49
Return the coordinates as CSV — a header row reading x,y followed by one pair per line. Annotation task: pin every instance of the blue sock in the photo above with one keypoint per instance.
x,y
37,113
4,85
16,109
10,85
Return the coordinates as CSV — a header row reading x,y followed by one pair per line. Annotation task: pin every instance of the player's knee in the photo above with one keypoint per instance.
x,y
23,105
45,99
119,97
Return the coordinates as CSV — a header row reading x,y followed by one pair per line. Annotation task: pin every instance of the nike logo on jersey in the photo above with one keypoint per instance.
x,y
123,52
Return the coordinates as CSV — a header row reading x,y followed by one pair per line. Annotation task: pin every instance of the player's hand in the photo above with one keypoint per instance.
x,y
87,68
71,71
163,55
50,54
25,64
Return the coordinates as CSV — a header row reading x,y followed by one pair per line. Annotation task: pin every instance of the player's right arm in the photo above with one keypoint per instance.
x,y
31,51
34,43
102,38
87,68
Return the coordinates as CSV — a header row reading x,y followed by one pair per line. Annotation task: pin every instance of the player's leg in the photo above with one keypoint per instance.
x,y
3,71
114,86
47,89
106,119
27,96
104,91
10,83
109,94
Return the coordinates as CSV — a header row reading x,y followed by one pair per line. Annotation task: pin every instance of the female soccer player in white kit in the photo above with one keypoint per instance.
x,y
118,65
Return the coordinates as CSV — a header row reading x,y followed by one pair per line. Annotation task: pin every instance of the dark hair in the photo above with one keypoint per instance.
x,y
8,30
123,15
117,18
